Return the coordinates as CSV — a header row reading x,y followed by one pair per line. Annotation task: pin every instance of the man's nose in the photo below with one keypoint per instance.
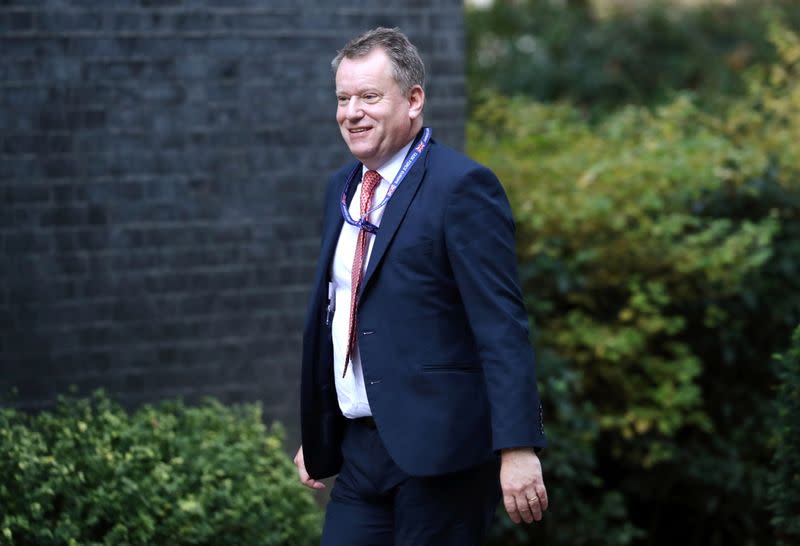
x,y
354,109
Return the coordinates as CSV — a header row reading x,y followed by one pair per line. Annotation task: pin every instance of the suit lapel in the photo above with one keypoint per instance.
x,y
393,216
332,231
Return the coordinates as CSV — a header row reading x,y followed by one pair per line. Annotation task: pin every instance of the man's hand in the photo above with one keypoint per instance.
x,y
300,463
524,494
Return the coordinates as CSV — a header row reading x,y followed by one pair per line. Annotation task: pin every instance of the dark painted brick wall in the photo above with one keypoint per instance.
x,y
162,164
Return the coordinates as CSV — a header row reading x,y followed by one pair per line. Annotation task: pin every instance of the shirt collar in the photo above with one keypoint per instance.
x,y
390,169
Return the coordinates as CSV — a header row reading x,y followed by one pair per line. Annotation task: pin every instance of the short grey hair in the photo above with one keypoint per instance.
x,y
409,70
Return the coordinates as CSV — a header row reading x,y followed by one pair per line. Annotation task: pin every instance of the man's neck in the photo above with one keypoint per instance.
x,y
376,166
389,168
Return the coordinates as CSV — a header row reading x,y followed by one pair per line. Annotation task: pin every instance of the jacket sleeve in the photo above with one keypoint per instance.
x,y
479,235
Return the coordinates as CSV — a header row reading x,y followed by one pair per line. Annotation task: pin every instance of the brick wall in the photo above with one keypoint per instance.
x,y
161,170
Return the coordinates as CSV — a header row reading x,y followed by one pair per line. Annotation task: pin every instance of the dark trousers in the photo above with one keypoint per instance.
x,y
374,503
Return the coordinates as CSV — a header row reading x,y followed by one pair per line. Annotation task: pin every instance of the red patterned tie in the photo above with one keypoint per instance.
x,y
368,185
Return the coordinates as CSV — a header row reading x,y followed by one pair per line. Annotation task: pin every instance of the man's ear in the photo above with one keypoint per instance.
x,y
416,101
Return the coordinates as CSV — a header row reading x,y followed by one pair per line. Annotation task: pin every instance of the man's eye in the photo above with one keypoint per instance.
x,y
342,100
370,97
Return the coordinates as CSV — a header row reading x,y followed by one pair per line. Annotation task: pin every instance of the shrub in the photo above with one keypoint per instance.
x,y
91,474
550,50
660,258
785,482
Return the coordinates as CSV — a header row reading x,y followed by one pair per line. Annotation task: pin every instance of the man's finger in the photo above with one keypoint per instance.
x,y
542,494
524,509
305,479
511,507
536,509
308,481
537,503
313,484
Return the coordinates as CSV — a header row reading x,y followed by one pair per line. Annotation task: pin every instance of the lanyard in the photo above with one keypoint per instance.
x,y
363,223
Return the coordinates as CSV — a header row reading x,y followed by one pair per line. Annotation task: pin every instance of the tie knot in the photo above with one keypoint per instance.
x,y
370,182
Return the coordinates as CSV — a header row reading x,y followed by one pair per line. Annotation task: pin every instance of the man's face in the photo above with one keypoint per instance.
x,y
374,116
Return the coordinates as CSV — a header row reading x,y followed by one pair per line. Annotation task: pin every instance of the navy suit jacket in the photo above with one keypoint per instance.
x,y
442,330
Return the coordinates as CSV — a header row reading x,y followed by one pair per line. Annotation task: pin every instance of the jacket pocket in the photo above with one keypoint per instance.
x,y
450,367
414,251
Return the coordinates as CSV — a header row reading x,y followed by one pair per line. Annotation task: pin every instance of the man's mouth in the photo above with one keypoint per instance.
x,y
358,130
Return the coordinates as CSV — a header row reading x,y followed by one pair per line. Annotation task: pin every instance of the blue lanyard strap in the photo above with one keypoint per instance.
x,y
363,223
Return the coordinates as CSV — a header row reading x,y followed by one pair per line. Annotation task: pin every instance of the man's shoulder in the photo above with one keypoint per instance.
x,y
445,159
337,178
344,170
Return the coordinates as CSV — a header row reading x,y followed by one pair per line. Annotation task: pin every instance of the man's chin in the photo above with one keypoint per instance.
x,y
362,153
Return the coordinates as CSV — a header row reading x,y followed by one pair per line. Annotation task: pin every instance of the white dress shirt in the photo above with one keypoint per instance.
x,y
350,390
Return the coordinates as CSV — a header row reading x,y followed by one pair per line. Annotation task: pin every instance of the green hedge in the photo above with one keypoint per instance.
x,y
91,474
660,258
640,54
785,483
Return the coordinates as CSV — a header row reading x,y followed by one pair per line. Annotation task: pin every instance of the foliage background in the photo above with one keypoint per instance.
x,y
652,160
785,483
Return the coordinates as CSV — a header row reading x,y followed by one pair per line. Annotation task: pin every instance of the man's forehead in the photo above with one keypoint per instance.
x,y
375,63
359,82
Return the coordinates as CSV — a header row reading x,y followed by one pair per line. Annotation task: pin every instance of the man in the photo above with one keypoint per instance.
x,y
418,377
